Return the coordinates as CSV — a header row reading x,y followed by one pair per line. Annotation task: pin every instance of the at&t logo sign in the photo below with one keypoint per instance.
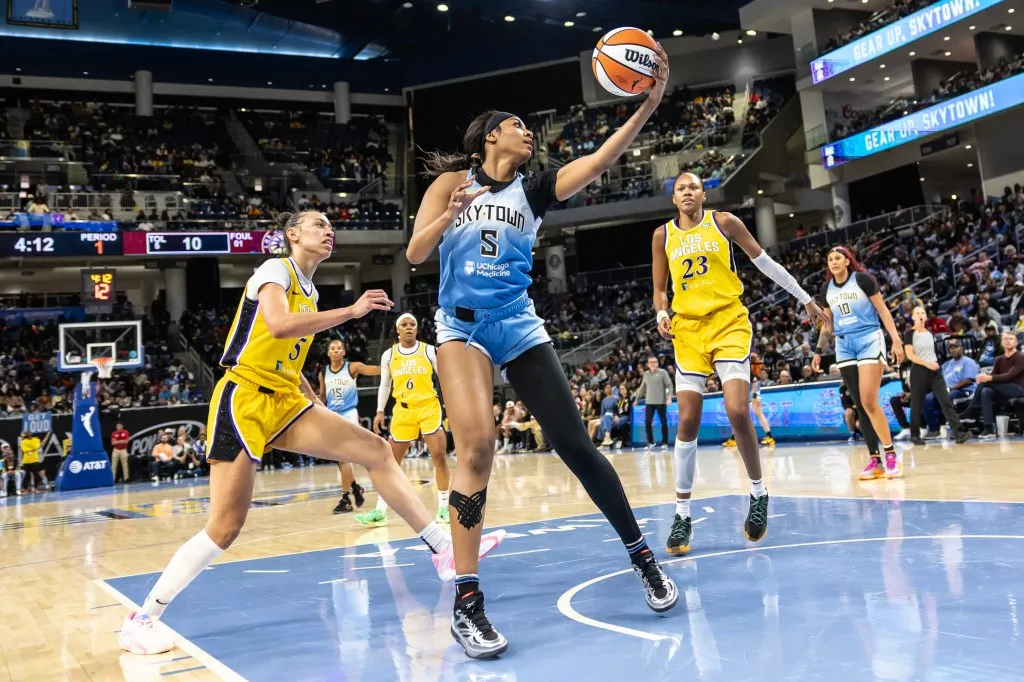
x,y
77,467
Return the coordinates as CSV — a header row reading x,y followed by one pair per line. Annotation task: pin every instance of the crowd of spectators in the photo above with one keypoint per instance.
x,y
685,114
767,97
884,17
185,143
852,120
344,156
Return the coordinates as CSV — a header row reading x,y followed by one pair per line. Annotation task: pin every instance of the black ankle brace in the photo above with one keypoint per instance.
x,y
470,509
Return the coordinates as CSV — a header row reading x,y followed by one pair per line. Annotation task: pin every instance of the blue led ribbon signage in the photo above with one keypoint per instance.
x,y
897,34
936,118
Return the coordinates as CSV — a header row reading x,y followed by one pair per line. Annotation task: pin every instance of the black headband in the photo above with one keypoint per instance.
x,y
493,122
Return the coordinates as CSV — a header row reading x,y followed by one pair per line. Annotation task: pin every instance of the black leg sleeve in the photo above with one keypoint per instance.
x,y
538,380
852,380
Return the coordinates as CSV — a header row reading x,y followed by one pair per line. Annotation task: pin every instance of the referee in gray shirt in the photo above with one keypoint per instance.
x,y
657,390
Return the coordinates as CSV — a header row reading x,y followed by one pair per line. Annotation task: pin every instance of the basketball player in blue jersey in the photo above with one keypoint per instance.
x,y
485,215
339,393
856,312
263,401
711,332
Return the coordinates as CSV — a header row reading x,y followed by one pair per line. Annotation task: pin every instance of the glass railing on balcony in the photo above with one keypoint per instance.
x,y
816,136
39,150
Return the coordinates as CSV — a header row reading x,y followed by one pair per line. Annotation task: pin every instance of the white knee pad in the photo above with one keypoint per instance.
x,y
685,457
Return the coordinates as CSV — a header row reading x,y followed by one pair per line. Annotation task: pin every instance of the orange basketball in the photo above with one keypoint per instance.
x,y
624,61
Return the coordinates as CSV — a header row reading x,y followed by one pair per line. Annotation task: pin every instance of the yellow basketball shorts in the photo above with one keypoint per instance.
x,y
246,417
725,336
409,420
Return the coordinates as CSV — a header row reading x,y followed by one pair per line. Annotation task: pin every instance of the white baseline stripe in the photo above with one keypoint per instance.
x,y
337,580
366,568
256,570
529,551
567,610
193,650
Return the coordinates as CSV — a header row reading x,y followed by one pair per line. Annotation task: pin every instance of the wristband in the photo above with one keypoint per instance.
x,y
662,315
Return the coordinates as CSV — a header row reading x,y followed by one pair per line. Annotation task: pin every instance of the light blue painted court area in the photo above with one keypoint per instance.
x,y
840,589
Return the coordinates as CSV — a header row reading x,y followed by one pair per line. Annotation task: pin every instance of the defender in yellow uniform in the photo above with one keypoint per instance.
x,y
711,332
264,399
407,373
258,397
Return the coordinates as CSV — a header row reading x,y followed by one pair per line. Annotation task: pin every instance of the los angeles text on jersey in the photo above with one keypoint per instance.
x,y
492,212
694,247
409,367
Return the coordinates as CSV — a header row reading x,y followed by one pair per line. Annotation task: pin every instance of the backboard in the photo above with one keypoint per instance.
x,y
81,342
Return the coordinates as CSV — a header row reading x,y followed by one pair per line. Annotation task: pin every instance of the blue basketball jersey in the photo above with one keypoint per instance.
x,y
850,302
340,387
486,253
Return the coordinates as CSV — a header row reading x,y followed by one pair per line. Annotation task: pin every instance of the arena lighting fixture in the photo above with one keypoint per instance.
x,y
790,215
1010,11
209,80
970,165
853,78
407,5
596,29
921,179
947,53
946,38
760,192
739,41
569,24
912,53
953,197
967,147
442,7
886,78
971,27
650,32
581,14
509,18
881,66
1009,28
751,32
85,73
677,32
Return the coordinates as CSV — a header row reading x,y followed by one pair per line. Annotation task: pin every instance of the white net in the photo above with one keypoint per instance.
x,y
104,367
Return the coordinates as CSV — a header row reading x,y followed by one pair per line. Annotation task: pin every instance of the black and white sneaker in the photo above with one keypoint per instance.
x,y
756,525
344,505
659,589
473,631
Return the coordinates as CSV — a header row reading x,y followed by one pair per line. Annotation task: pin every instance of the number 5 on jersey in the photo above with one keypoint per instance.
x,y
489,243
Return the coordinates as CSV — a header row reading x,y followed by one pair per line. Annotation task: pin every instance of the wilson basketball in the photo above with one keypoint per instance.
x,y
624,61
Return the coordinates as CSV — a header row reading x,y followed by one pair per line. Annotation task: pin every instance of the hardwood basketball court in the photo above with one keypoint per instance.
x,y
287,602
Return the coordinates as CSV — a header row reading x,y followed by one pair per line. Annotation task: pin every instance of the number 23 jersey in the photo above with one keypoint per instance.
x,y
703,270
487,252
251,352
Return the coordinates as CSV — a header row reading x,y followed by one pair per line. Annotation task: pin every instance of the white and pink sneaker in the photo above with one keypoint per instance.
x,y
445,561
142,635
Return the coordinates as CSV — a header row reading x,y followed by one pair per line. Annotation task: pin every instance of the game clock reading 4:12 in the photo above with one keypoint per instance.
x,y
60,244
99,290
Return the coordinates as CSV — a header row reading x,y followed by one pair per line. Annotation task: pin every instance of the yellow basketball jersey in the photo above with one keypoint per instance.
x,y
412,375
701,264
254,355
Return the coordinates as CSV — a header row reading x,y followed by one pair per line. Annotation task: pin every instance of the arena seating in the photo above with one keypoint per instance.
x,y
898,10
854,120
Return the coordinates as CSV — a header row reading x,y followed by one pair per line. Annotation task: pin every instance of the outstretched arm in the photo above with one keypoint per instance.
x,y
363,370
576,175
283,324
735,230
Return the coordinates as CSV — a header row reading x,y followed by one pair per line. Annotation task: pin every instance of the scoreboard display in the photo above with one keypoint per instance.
x,y
59,244
99,290
74,244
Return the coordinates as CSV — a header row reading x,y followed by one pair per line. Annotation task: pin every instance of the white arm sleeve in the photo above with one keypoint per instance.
x,y
781,276
273,271
384,390
432,356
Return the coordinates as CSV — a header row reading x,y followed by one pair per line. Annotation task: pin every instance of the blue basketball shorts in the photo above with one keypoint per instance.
x,y
501,340
861,348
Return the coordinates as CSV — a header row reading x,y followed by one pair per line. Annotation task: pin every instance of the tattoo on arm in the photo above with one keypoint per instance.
x,y
824,339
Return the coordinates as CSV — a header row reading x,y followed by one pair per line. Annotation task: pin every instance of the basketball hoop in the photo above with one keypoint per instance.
x,y
104,367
